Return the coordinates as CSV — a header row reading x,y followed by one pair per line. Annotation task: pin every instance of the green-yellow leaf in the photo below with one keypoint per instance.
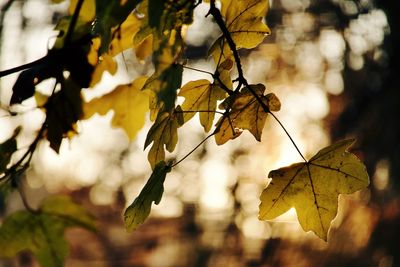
x,y
129,104
245,113
201,96
164,132
312,187
139,210
42,233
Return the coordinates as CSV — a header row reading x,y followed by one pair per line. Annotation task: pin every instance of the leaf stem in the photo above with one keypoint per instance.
x,y
288,135
194,149
198,70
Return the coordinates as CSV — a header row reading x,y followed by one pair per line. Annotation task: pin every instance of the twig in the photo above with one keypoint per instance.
x,y
74,19
194,149
23,67
288,135
214,11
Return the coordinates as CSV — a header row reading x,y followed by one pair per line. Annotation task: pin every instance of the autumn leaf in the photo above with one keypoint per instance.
x,y
244,21
245,113
312,187
129,104
201,95
164,132
109,15
87,12
43,233
63,110
139,210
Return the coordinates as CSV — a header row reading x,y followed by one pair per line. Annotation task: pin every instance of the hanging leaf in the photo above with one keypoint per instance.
x,y
129,104
110,14
244,21
163,132
165,85
63,110
87,12
43,233
245,113
201,96
139,210
312,187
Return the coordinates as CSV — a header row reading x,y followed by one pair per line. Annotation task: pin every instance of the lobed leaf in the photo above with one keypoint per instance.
x,y
313,187
42,233
201,95
244,21
245,113
129,104
164,132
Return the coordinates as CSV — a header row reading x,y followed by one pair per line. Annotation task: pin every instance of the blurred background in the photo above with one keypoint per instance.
x,y
334,64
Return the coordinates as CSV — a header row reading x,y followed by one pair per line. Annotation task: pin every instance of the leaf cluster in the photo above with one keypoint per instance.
x,y
90,37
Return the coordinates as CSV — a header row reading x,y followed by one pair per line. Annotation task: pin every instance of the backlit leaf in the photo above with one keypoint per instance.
x,y
164,132
43,233
87,12
109,15
201,96
139,210
245,113
129,104
312,187
244,21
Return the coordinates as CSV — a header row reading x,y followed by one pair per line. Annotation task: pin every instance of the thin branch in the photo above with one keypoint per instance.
x,y
24,199
215,12
74,20
200,111
198,70
23,67
194,149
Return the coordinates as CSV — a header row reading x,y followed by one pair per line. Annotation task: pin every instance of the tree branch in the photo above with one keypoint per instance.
x,y
215,12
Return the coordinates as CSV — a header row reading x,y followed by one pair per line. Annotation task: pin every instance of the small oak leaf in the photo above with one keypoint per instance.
x,y
313,187
129,104
245,113
201,96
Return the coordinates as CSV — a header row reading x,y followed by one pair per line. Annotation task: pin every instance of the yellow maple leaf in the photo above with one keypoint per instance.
x,y
201,96
312,187
244,21
129,104
164,132
245,113
123,35
87,12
